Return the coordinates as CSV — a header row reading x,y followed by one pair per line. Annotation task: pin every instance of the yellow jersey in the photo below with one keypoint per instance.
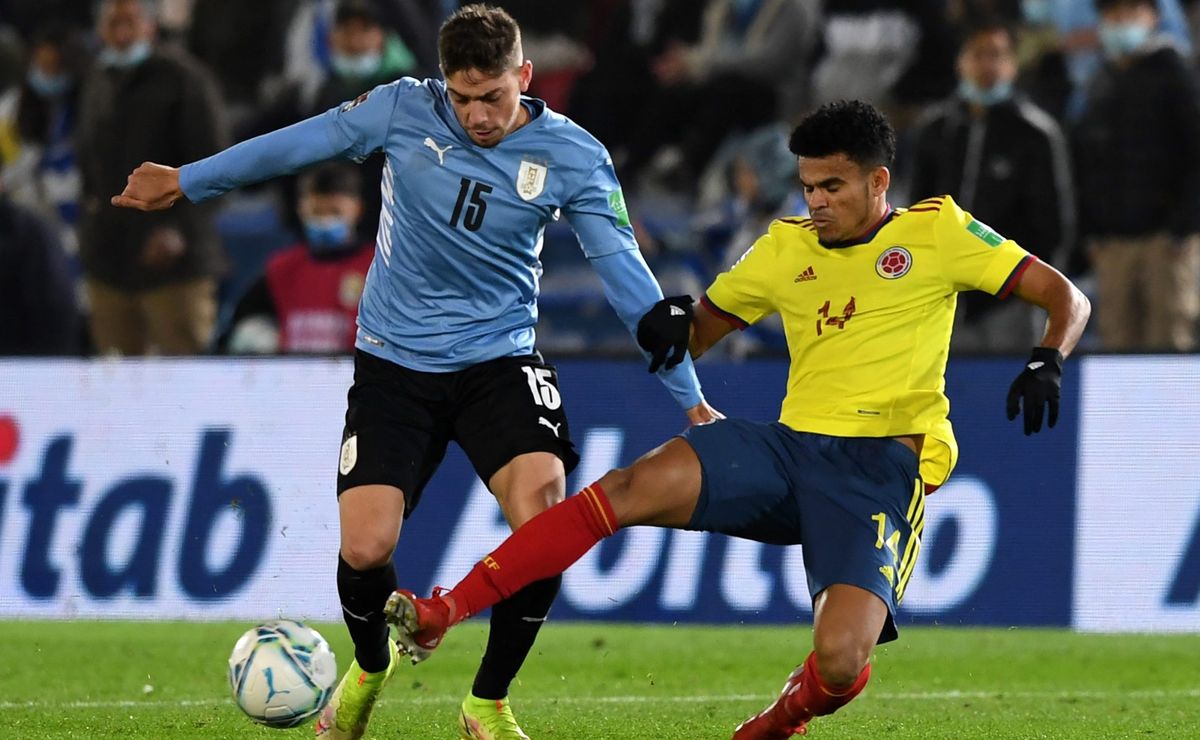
x,y
868,322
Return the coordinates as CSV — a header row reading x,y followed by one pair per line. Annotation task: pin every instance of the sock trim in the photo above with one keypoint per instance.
x,y
593,494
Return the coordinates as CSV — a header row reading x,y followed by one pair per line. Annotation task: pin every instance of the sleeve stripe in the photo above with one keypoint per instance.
x,y
1015,276
722,314
925,209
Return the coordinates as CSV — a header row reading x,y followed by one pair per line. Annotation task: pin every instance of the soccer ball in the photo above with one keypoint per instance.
x,y
282,673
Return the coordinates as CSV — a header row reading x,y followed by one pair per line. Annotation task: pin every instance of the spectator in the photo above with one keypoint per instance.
x,y
151,281
625,35
243,61
309,47
1006,161
751,182
1042,72
1138,158
36,296
307,301
363,54
895,53
1076,40
41,171
742,74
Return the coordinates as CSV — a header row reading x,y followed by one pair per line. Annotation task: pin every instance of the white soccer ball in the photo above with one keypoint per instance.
x,y
282,673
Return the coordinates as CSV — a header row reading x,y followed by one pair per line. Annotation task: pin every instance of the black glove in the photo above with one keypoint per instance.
x,y
1038,385
665,330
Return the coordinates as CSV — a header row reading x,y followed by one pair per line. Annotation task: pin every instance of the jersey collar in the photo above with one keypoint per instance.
x,y
865,237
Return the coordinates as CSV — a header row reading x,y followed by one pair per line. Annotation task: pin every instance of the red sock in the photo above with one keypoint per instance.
x,y
544,546
815,698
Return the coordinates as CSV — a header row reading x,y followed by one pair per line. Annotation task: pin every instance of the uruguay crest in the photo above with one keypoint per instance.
x,y
531,180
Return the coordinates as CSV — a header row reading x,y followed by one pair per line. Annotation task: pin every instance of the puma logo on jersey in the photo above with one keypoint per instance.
x,y
441,152
676,311
546,423
808,274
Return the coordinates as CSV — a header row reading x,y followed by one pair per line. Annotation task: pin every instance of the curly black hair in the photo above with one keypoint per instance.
x,y
849,127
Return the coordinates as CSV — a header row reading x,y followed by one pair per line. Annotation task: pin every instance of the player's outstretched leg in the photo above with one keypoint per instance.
x,y
346,715
804,696
544,546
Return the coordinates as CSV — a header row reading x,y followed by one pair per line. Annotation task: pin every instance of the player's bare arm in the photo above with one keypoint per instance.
x,y
1036,390
1066,306
707,330
150,187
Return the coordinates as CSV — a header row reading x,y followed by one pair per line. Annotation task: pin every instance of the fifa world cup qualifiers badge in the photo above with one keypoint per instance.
x,y
616,203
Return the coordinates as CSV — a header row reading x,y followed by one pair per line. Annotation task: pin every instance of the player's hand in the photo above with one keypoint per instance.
x,y
665,330
702,413
151,187
1037,387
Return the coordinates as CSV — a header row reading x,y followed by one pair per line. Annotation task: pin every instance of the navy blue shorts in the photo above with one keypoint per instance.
x,y
855,504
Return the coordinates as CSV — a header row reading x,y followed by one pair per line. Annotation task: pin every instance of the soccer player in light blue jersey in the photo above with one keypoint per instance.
x,y
445,345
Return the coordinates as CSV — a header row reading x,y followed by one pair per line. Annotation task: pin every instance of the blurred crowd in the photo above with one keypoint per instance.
x,y
1072,126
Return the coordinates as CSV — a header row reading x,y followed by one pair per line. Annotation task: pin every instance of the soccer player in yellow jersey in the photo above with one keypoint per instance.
x,y
867,295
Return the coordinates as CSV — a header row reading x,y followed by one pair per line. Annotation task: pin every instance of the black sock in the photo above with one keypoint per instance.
x,y
363,594
515,624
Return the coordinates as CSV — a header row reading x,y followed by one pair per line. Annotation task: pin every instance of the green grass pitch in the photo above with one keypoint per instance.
x,y
623,682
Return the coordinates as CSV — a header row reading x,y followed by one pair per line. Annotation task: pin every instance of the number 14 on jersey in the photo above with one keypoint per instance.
x,y
835,320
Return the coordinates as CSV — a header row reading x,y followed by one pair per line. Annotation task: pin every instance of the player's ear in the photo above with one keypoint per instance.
x,y
881,180
525,71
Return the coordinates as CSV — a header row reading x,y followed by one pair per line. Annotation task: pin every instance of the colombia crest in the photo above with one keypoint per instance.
x,y
895,262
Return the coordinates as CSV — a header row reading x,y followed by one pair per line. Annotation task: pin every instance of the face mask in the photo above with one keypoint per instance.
x,y
1120,39
1037,12
327,234
126,58
985,96
48,86
358,65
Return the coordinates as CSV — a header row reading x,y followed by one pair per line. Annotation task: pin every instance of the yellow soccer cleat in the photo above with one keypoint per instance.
x,y
488,719
345,716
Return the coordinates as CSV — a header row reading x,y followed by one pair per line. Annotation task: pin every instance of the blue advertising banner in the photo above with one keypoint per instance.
x,y
204,489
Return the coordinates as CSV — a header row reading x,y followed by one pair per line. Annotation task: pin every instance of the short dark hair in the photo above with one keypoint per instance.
x,y
331,178
478,36
364,11
849,127
987,23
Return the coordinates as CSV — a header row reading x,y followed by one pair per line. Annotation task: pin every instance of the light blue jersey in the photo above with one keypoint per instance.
x,y
455,277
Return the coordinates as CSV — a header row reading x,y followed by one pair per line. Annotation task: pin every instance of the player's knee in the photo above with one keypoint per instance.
x,y
841,658
616,482
366,551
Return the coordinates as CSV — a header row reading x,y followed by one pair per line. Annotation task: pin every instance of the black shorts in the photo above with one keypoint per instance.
x,y
399,421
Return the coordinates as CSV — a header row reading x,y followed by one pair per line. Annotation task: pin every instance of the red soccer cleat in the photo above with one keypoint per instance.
x,y
420,623
778,721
